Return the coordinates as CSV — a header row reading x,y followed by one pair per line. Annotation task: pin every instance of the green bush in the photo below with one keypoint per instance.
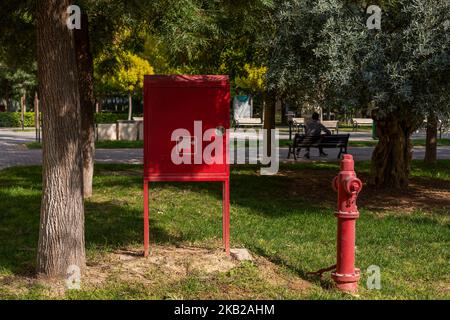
x,y
12,119
109,117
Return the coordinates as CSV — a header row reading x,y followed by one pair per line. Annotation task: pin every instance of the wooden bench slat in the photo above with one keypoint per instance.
x,y
248,122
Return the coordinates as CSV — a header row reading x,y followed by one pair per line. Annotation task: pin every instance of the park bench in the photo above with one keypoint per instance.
x,y
248,122
332,125
325,141
357,122
298,123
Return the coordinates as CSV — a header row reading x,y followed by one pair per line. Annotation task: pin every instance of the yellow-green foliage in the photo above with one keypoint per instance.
x,y
130,76
255,80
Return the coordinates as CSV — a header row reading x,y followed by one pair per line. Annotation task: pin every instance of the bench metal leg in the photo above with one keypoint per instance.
x,y
341,151
291,151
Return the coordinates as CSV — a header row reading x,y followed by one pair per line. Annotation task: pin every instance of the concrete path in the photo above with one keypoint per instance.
x,y
13,153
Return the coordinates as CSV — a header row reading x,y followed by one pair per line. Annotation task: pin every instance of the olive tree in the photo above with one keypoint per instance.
x,y
323,52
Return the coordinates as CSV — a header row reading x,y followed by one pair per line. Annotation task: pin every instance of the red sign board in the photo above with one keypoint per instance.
x,y
185,134
192,104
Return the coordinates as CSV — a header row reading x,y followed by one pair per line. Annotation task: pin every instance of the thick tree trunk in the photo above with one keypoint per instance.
x,y
130,106
61,231
432,137
87,102
269,118
391,159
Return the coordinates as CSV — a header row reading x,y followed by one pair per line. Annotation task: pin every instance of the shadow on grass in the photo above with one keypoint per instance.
x,y
109,224
300,272
115,229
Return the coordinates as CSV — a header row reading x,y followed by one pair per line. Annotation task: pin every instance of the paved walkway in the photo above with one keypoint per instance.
x,y
13,153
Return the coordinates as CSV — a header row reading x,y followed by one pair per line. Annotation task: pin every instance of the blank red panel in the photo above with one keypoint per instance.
x,y
176,102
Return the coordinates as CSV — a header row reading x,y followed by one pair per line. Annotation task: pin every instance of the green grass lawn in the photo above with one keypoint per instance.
x,y
287,219
117,144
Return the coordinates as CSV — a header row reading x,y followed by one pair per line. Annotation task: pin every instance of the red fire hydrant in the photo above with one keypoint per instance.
x,y
347,186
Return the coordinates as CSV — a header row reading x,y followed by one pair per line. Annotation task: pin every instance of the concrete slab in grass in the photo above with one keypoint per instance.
x,y
241,254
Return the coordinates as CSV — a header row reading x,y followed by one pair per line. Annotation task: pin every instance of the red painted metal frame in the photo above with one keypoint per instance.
x,y
156,167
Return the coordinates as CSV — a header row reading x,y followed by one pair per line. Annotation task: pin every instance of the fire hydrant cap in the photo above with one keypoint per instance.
x,y
348,157
347,163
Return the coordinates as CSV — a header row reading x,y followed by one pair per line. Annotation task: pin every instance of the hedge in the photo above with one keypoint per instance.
x,y
12,119
109,117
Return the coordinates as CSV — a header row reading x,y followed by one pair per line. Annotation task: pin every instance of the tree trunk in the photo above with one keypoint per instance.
x,y
98,107
36,117
284,119
431,143
61,231
391,159
269,118
23,107
130,107
87,102
9,106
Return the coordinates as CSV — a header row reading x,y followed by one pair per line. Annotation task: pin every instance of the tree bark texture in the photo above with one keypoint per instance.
x,y
391,159
431,140
37,120
269,118
87,102
61,230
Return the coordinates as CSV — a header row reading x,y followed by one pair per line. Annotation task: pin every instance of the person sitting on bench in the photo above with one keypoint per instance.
x,y
314,129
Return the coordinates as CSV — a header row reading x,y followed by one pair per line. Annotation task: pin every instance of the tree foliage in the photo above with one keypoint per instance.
x,y
255,79
129,77
324,47
323,53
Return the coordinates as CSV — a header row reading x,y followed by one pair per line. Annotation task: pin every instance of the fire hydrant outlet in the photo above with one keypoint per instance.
x,y
353,185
